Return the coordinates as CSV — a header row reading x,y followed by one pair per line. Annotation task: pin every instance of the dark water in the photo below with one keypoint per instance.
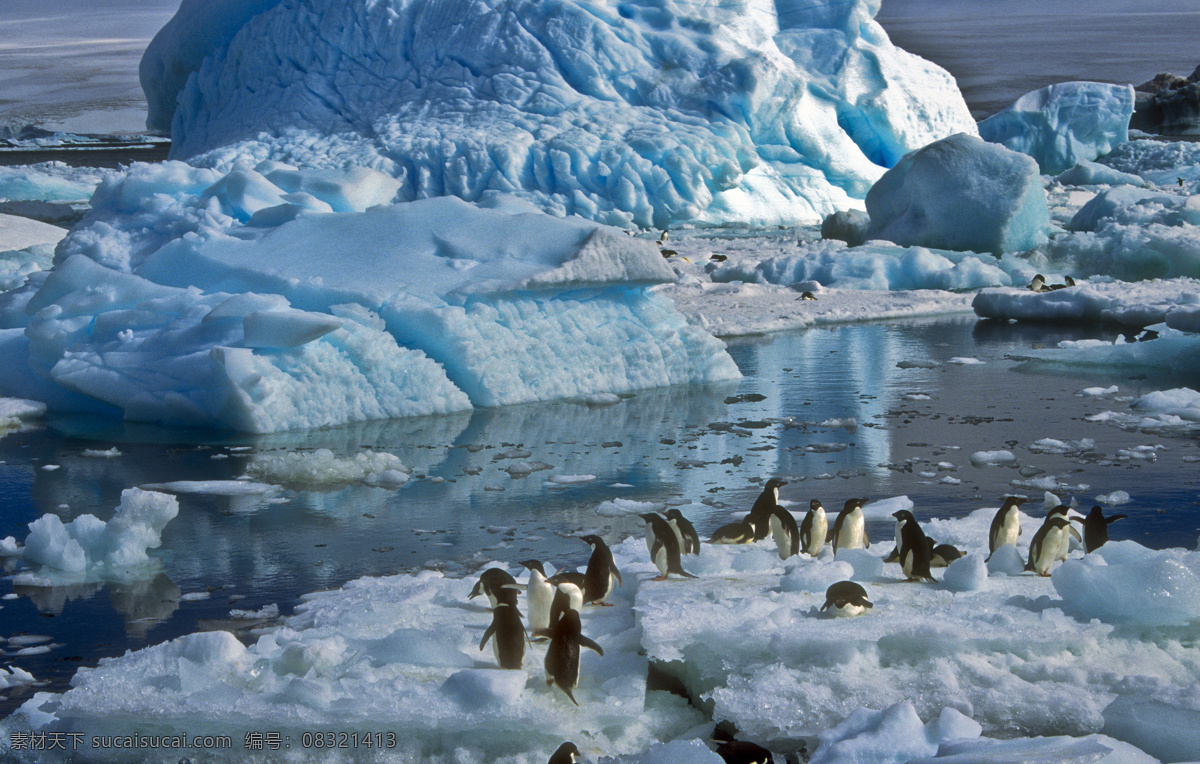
x,y
700,447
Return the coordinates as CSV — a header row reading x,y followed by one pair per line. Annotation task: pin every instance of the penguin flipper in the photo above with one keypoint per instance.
x,y
588,643
1114,518
568,692
1075,533
616,573
487,635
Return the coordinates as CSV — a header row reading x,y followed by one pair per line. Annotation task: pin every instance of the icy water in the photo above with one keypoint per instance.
x,y
701,449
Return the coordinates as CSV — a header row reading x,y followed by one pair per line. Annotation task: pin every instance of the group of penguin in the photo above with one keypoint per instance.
x,y
555,602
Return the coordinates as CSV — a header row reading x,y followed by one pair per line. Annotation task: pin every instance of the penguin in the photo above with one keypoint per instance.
x,y
813,529
539,593
663,547
1068,282
498,585
894,555
807,296
1095,528
565,754
733,751
1006,525
685,532
567,596
943,555
568,577
785,532
1043,550
914,547
850,527
847,599
509,636
1038,284
741,532
1064,546
562,657
760,513
602,575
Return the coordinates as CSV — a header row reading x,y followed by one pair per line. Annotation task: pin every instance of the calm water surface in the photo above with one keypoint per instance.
x,y
703,449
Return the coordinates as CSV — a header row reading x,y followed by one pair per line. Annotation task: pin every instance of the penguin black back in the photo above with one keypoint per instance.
x,y
734,751
601,572
562,657
1095,528
760,513
565,754
914,546
685,531
509,634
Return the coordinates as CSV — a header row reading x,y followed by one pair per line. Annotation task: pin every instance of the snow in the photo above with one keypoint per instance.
x,y
961,193
648,115
90,549
1064,123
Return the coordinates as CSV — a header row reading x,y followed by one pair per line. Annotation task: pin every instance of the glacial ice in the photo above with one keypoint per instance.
x,y
960,193
186,300
1064,123
647,114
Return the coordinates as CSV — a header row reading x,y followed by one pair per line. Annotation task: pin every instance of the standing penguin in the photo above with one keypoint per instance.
x,y
1043,550
663,547
760,513
602,575
914,547
785,532
813,529
562,657
847,598
539,593
567,596
498,585
685,532
1064,544
1095,528
509,636
1006,525
850,527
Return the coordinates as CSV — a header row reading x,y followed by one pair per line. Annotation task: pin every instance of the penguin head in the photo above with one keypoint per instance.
x,y
903,516
675,514
565,754
815,504
649,517
1061,509
1096,513
1058,521
532,565
592,540
1013,501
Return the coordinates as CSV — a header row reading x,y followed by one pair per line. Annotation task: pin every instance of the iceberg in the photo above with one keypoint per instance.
x,y
271,298
961,193
645,114
1064,123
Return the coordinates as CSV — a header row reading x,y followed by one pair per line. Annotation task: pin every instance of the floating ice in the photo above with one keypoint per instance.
x,y
1139,304
213,487
1114,499
10,547
88,548
1063,123
961,193
649,114
992,458
625,507
321,468
1123,582
14,676
15,411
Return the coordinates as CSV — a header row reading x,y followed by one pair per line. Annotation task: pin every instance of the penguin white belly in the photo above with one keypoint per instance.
x,y
820,529
678,536
660,560
848,610
1008,532
1047,553
783,541
851,536
540,594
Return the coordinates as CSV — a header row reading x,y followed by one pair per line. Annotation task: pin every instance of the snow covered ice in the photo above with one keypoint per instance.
x,y
647,114
980,656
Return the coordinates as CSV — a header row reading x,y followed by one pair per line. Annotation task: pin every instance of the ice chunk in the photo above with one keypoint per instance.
x,y
1168,731
476,689
323,468
1123,582
23,233
88,548
992,458
895,734
961,193
1086,173
675,752
968,573
1063,123
567,107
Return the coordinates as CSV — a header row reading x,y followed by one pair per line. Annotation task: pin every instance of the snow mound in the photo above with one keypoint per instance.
x,y
90,549
646,114
961,193
1063,123
272,298
1123,582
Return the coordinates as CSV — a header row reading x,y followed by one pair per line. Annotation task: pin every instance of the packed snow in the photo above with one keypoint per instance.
x,y
648,115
